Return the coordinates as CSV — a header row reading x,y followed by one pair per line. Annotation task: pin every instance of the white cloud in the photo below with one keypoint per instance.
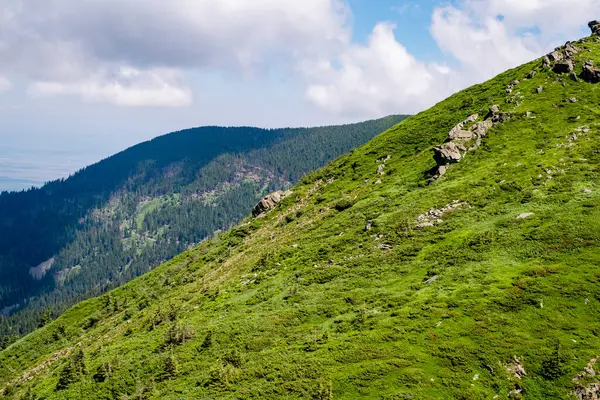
x,y
482,44
381,77
126,87
66,46
125,53
480,37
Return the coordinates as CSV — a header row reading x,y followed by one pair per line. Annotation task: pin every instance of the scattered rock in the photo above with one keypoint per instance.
x,y
572,100
531,74
590,74
545,62
555,56
448,153
495,109
369,225
563,67
515,368
501,117
433,216
573,77
431,280
525,215
439,172
539,90
571,49
381,167
269,202
587,191
590,391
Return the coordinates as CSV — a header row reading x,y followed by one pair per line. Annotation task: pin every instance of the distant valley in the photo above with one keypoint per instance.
x,y
117,219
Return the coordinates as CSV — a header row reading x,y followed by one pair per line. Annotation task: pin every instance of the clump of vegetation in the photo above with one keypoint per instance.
x,y
178,333
73,370
343,204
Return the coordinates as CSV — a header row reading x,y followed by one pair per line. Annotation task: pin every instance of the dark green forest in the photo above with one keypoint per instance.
x,y
117,219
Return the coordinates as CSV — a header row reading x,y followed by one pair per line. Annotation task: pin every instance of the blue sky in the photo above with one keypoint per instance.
x,y
101,75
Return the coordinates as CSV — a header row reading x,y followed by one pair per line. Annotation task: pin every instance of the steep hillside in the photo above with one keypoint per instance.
x,y
115,220
389,274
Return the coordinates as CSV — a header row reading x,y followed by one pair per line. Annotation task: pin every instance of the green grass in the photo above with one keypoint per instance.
x,y
307,303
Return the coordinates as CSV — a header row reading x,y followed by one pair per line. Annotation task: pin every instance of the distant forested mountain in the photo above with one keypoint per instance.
x,y
117,219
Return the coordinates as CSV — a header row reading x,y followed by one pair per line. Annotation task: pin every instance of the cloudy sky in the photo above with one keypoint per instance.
x,y
82,79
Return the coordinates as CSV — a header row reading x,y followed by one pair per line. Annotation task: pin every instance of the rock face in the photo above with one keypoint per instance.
x,y
269,202
590,73
595,27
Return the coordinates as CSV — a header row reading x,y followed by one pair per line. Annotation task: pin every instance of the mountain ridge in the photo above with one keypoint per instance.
x,y
372,280
109,222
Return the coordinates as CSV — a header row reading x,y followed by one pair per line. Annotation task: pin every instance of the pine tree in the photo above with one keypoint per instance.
x,y
72,371
45,318
169,367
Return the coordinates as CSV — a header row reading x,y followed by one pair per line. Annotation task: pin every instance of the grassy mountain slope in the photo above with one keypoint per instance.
x,y
337,294
117,219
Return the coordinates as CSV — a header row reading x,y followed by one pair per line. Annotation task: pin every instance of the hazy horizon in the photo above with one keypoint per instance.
x,y
23,168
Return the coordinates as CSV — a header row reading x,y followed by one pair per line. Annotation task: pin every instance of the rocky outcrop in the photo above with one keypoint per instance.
x,y
458,131
590,391
562,62
590,73
595,27
563,67
545,62
555,56
448,153
460,136
269,202
561,59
